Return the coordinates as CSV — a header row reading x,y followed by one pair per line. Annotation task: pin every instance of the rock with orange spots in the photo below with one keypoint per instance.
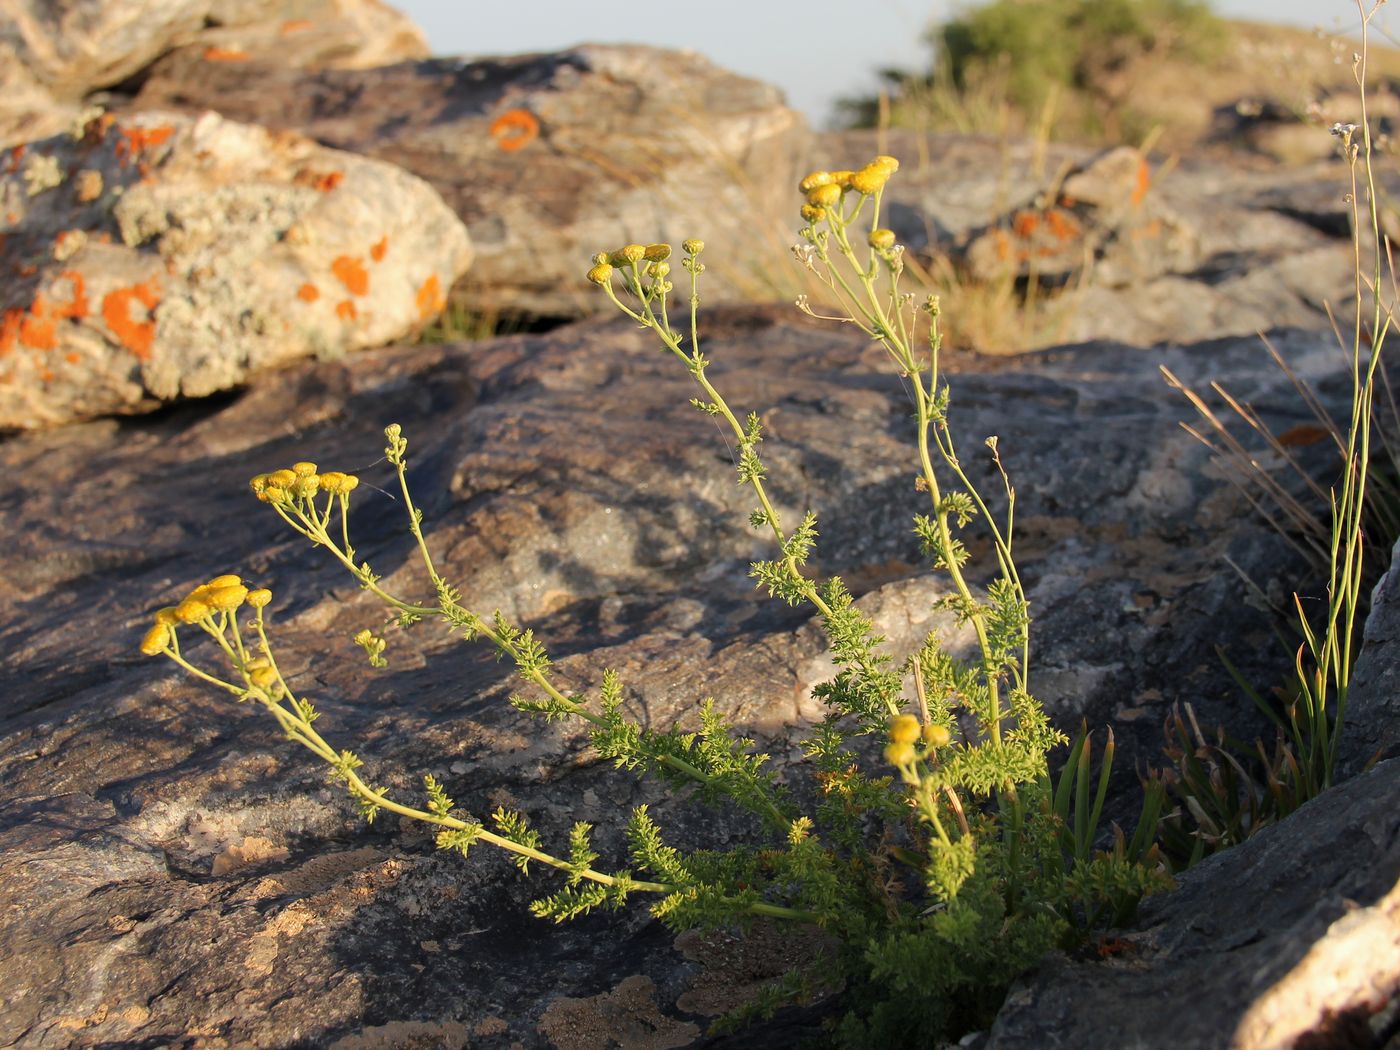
x,y
1100,223
550,158
63,50
205,256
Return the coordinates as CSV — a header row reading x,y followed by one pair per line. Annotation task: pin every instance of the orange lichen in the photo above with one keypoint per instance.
x,y
72,357
16,155
346,311
351,273
1003,246
295,25
514,129
379,248
325,181
308,293
213,53
134,141
136,336
1141,183
1062,225
1025,223
10,322
430,299
36,329
76,307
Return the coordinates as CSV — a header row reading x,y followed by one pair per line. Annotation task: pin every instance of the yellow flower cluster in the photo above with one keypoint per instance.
x,y
222,594
824,189
905,731
633,255
300,482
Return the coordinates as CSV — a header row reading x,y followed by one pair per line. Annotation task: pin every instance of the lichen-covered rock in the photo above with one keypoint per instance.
x,y
162,256
1100,223
550,158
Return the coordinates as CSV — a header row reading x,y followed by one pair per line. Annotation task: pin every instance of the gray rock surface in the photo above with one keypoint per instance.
x,y
550,158
172,872
1291,939
1373,704
161,256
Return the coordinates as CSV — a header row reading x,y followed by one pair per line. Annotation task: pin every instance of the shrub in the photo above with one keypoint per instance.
x,y
940,872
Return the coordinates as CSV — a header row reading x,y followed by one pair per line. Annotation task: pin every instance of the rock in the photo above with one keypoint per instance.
x,y
62,50
1373,702
1099,224
550,158
564,479
1291,939
1268,246
161,256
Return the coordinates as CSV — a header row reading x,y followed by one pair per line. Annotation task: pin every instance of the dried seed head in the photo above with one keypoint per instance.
x,y
156,640
904,729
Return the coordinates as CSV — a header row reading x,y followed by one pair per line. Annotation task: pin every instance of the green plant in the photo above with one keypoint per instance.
x,y
939,877
1229,791
1009,61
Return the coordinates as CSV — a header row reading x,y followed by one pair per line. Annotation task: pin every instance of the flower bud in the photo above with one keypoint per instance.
x,y
937,736
260,597
825,195
306,486
599,258
303,469
274,495
812,213
904,729
812,181
167,616
890,165
658,270
156,640
627,255
227,580
882,240
282,479
263,677
692,246
842,178
657,252
601,273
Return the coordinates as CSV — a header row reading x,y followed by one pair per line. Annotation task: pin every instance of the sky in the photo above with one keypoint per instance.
x,y
815,50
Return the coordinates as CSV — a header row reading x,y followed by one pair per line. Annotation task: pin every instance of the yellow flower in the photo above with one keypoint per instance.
x,y
156,640
870,180
657,252
812,181
900,755
825,195
627,255
192,610
692,246
226,599
167,617
260,597
262,677
937,736
882,240
812,213
601,273
227,580
904,729
303,469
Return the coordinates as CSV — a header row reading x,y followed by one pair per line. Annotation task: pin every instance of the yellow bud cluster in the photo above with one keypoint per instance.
x,y
882,240
937,736
871,179
338,483
222,594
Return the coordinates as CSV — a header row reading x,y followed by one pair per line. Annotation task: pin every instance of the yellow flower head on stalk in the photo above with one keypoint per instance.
x,y
601,273
937,736
827,195
904,729
627,255
882,240
259,598
156,640
871,179
812,181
